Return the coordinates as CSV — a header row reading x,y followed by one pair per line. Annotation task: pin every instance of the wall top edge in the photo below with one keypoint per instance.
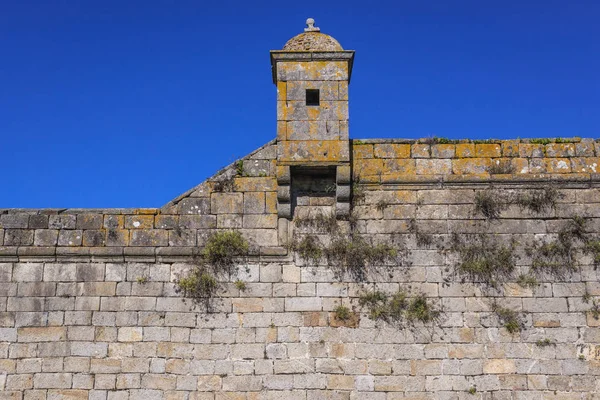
x,y
436,140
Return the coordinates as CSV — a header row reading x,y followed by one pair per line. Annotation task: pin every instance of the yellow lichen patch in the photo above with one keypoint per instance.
x,y
470,166
510,148
255,184
399,165
271,202
147,211
464,150
443,150
343,90
362,151
531,150
419,150
281,130
312,70
560,150
314,151
368,178
520,165
282,111
369,166
283,173
390,150
487,150
434,166
589,165
558,165
281,90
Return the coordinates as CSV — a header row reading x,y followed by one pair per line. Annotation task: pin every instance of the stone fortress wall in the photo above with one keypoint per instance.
x,y
494,244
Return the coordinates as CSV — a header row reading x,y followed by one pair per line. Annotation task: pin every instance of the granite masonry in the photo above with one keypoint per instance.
x,y
90,307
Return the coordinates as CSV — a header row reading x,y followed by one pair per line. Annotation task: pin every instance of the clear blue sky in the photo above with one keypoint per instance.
x,y
130,103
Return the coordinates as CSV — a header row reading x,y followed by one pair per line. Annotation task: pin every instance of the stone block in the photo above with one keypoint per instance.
x,y
419,150
465,150
62,221
117,237
89,221
362,151
28,272
471,166
114,221
443,150
149,237
499,366
199,221
264,221
312,71
70,237
528,150
398,167
254,203
303,304
227,203
313,130
42,334
182,237
391,150
38,221
585,164
560,150
94,238
18,221
139,221
18,237
53,380
313,151
45,237
40,289
433,166
557,165
253,184
487,150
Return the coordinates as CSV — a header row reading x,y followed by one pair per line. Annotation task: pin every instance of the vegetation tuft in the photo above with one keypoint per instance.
x,y
309,249
543,342
527,280
509,318
483,260
199,285
222,249
320,223
351,255
539,201
398,307
216,260
239,168
422,239
342,313
489,203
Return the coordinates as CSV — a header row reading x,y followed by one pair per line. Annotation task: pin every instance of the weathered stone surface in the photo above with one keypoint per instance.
x,y
98,304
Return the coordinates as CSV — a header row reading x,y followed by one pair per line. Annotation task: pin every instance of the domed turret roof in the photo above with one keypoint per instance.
x,y
312,40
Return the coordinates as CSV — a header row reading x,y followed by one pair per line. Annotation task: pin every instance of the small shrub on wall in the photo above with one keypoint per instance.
x,y
216,262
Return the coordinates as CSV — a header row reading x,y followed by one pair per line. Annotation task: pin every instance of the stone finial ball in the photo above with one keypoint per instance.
x,y
310,21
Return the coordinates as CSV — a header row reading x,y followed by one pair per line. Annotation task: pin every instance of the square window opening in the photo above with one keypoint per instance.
x,y
312,97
